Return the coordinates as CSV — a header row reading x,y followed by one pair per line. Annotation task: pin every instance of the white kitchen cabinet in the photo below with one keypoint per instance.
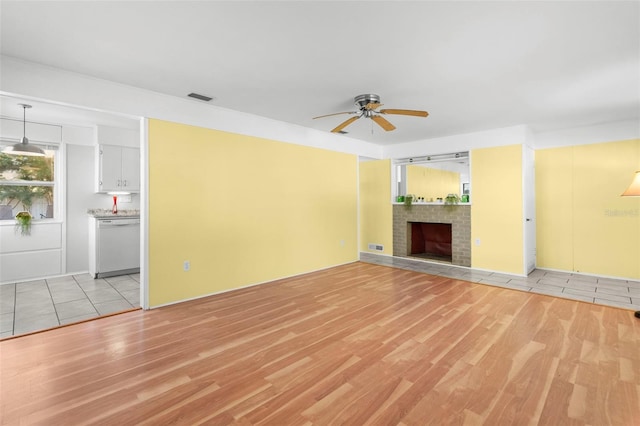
x,y
118,168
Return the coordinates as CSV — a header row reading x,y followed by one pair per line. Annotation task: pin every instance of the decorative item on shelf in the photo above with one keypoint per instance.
x,y
400,199
464,198
408,199
451,199
114,210
23,223
438,200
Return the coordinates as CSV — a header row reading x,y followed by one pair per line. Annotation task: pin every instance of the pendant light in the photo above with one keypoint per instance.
x,y
24,148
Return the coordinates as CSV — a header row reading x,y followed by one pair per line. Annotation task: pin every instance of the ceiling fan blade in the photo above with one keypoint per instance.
x,y
382,122
335,113
345,124
372,105
405,112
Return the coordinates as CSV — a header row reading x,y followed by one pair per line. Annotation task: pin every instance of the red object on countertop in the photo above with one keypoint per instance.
x,y
115,205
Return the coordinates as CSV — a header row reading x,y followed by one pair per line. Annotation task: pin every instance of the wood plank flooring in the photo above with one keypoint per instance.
x,y
356,344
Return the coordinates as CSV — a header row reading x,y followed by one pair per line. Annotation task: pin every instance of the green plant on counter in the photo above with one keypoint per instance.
x,y
23,223
408,199
452,199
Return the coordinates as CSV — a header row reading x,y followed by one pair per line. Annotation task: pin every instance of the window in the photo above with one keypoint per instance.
x,y
27,183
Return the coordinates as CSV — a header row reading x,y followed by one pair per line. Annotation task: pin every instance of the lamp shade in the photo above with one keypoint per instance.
x,y
634,189
23,148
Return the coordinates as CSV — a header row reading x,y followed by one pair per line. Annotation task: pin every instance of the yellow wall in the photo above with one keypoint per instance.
x,y
431,183
554,205
497,210
376,211
583,223
243,210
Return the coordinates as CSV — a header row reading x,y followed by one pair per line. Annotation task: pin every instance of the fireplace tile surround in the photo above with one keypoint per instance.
x,y
459,216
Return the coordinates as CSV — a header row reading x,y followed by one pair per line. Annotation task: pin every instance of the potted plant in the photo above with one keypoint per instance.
x,y
23,223
451,199
408,199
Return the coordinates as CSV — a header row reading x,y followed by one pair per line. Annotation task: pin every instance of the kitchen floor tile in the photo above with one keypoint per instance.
x,y
66,292
83,277
32,297
30,286
113,306
94,284
7,290
60,280
42,304
30,310
7,303
74,309
102,295
132,296
6,322
35,323
123,285
78,318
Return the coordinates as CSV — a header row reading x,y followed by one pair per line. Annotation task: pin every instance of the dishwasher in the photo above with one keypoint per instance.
x,y
117,247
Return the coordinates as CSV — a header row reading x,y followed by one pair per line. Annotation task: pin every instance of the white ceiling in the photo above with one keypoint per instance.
x,y
473,65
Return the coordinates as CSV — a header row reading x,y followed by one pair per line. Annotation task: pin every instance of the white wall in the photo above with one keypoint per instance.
x,y
21,78
457,143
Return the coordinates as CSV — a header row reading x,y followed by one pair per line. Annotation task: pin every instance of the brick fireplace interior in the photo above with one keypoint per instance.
x,y
429,240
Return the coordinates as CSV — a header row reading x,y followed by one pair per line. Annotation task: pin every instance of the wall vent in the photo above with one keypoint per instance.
x,y
376,247
200,97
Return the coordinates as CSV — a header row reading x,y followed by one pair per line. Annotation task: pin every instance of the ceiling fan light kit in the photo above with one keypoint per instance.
x,y
368,105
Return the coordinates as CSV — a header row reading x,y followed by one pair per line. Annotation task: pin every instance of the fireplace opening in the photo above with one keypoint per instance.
x,y
429,240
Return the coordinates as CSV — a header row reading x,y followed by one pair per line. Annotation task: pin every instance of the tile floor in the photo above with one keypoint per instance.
x,y
587,288
38,305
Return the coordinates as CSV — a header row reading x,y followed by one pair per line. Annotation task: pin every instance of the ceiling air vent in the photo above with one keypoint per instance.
x,y
200,97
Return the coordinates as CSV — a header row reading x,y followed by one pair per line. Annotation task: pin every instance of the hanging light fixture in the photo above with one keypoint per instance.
x,y
24,148
634,189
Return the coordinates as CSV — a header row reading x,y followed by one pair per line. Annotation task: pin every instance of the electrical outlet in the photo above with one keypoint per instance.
x,y
341,243
477,241
186,265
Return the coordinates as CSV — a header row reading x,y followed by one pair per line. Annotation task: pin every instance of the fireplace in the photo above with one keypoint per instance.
x,y
458,219
428,240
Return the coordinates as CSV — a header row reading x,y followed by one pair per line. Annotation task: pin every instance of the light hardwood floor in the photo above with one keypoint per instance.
x,y
356,344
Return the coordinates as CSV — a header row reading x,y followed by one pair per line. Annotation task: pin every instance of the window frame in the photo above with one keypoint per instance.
x,y
56,184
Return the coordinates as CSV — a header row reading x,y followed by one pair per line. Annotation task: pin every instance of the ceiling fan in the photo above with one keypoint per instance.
x,y
367,105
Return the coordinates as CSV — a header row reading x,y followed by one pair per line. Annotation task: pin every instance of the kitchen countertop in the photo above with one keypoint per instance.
x,y
106,213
